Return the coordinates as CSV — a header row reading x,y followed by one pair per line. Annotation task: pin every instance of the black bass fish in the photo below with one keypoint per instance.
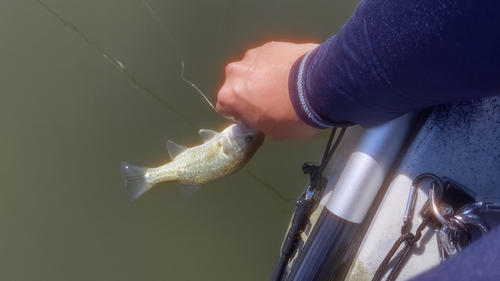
x,y
220,155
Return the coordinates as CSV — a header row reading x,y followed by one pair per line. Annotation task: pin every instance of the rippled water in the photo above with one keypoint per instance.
x,y
86,85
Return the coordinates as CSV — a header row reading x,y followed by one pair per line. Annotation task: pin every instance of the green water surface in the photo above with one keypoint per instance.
x,y
85,85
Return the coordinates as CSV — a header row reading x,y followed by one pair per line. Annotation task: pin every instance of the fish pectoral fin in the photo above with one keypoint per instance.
x,y
174,149
189,190
207,135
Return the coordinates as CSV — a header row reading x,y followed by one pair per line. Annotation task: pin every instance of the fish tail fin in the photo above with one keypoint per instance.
x,y
136,184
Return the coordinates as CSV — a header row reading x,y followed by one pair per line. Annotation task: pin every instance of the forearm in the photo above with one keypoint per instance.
x,y
394,57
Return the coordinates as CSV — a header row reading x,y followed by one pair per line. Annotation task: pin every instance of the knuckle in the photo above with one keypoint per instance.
x,y
223,95
251,53
269,44
231,67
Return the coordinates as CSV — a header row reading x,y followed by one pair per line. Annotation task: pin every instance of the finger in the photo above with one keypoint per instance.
x,y
226,101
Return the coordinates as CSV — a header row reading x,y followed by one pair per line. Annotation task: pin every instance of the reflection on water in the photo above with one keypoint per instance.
x,y
69,118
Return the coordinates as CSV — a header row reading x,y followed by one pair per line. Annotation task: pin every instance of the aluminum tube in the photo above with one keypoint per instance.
x,y
367,169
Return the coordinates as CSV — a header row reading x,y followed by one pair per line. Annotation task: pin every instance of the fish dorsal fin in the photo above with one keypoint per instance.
x,y
189,190
174,149
207,135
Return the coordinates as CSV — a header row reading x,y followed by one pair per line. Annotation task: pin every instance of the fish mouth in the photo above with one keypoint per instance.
x,y
244,128
251,135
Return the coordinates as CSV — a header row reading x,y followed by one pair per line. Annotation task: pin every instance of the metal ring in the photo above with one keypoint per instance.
x,y
436,211
471,209
473,220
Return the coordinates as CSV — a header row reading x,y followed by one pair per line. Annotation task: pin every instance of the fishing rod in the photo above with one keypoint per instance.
x,y
353,193
306,202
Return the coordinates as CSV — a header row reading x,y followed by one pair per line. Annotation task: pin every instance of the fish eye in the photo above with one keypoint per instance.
x,y
248,138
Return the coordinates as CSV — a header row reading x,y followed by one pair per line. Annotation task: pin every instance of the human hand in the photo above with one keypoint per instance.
x,y
256,91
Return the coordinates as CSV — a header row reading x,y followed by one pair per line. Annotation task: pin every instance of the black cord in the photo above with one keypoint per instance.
x,y
407,237
305,203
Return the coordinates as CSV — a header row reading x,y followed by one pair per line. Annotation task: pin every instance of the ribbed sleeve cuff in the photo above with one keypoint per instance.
x,y
297,91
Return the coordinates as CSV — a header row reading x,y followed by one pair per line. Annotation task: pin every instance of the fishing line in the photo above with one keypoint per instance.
x,y
269,186
119,65
182,60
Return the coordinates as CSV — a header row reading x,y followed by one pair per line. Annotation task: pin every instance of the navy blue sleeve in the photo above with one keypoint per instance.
x,y
479,261
397,56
